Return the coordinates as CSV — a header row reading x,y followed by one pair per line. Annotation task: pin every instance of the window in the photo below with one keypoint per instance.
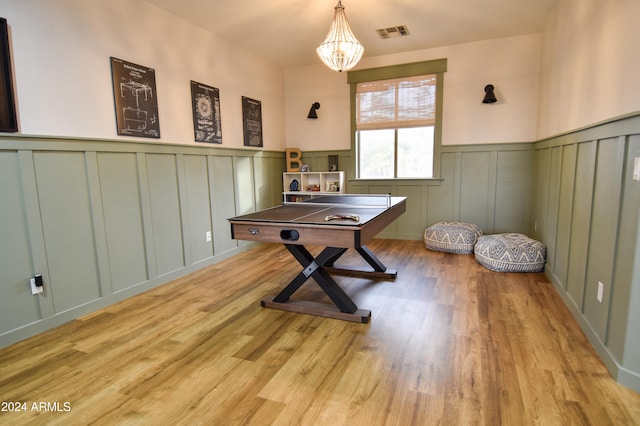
x,y
396,121
394,127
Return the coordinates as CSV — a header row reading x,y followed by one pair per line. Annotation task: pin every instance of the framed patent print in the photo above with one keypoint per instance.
x,y
136,100
207,125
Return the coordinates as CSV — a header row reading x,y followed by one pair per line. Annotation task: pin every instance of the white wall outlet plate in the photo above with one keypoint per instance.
x,y
34,288
600,291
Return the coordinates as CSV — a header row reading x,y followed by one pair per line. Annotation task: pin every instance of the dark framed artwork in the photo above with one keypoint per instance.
x,y
136,101
8,116
252,122
207,125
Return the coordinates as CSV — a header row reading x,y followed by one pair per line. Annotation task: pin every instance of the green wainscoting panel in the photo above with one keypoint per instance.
x,y
103,220
565,211
276,168
263,183
440,198
19,306
68,230
513,194
223,204
414,217
589,206
197,214
542,159
318,161
268,181
164,206
489,185
475,186
76,207
624,318
120,192
580,222
97,218
603,232
245,185
244,188
384,188
552,203
346,162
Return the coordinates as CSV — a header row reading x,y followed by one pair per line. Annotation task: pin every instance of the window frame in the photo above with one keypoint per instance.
x,y
437,67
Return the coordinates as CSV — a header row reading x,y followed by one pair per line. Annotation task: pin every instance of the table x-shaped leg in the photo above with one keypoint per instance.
x,y
313,268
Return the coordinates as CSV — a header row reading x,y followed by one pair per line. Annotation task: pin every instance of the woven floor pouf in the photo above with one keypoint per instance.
x,y
452,237
510,253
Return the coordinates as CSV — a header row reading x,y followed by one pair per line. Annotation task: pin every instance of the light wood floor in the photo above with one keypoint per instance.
x,y
449,343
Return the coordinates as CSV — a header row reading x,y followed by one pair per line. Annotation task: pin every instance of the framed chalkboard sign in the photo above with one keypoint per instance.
x,y
8,117
252,122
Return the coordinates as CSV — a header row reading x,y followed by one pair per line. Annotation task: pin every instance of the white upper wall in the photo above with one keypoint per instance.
x,y
61,51
590,64
581,71
511,64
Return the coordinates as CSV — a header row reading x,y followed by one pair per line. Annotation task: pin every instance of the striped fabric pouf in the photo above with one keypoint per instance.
x,y
452,237
510,253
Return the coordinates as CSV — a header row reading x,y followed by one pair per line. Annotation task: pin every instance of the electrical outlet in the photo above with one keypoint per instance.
x,y
600,291
35,289
207,236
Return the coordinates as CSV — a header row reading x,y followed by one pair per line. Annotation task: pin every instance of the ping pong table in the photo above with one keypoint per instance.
x,y
337,223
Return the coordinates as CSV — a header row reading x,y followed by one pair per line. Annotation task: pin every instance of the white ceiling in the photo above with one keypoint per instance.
x,y
288,31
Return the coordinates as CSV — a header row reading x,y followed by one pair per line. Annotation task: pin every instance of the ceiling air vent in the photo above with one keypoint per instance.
x,y
393,32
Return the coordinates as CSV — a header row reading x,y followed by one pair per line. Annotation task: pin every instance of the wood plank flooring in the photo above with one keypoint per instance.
x,y
449,343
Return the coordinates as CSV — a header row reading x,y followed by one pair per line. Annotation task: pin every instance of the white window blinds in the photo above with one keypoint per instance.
x,y
396,103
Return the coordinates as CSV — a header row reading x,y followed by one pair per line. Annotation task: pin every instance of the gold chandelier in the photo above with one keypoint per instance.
x,y
341,50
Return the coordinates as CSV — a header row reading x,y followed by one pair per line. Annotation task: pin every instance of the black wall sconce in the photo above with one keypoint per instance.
x,y
312,111
489,96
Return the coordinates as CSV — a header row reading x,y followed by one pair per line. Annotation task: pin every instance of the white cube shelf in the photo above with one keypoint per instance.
x,y
299,186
